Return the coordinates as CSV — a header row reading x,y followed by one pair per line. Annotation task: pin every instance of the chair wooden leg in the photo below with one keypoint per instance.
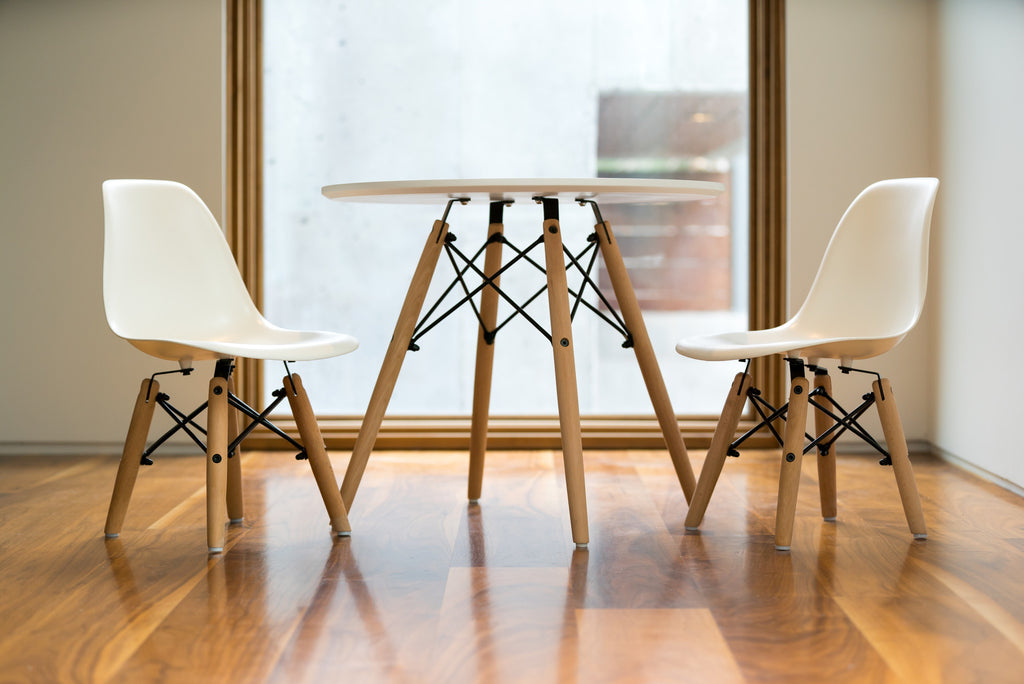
x,y
792,456
236,508
717,452
393,362
896,443
565,381
313,443
645,356
826,460
134,445
484,365
216,464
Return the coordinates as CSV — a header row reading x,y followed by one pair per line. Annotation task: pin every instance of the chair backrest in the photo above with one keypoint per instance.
x,y
873,277
167,270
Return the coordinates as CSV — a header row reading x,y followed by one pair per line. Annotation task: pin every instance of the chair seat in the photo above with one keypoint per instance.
x,y
785,339
265,342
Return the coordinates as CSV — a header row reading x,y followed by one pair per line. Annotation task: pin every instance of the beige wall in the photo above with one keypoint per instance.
x,y
89,91
859,111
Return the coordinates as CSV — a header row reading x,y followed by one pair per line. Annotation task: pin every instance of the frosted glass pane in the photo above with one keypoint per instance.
x,y
465,89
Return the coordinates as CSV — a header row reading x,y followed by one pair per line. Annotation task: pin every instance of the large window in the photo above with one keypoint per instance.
x,y
461,89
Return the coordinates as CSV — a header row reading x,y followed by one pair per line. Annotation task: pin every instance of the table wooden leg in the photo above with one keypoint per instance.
x,y
131,456
565,377
645,357
484,361
393,361
216,464
896,443
826,459
792,457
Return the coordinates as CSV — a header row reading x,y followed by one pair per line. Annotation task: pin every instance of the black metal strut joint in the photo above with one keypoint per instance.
x,y
462,264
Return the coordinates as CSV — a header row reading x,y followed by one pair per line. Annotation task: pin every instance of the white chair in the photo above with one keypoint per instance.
x,y
171,288
867,295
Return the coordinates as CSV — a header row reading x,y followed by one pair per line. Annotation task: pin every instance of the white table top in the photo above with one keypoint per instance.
x,y
603,190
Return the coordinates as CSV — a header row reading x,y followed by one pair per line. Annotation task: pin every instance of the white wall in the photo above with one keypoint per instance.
x,y
859,111
89,91
979,320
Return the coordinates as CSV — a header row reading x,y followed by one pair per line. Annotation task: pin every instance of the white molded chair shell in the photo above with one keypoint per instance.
x,y
171,286
869,290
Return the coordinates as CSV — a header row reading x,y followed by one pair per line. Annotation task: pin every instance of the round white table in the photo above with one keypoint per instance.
x,y
499,193
603,190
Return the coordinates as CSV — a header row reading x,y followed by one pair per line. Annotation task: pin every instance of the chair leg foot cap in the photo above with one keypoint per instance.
x,y
235,521
216,549
114,535
781,548
692,529
343,533
474,502
922,537
582,547
832,519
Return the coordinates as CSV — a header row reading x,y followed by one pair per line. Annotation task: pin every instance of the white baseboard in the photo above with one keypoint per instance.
x,y
85,449
976,470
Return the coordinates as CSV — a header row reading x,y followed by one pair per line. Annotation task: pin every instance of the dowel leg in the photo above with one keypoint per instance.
x,y
826,459
393,362
316,452
484,364
645,356
896,443
717,452
216,464
792,456
236,508
565,377
131,456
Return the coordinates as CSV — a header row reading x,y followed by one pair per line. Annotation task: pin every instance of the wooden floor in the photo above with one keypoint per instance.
x,y
430,589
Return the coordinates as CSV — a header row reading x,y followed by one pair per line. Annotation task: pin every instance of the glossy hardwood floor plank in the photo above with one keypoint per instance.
x,y
653,646
432,589
521,519
67,551
378,604
633,561
239,619
505,625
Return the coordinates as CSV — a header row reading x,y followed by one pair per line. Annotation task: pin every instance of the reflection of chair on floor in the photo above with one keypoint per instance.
x,y
867,295
171,287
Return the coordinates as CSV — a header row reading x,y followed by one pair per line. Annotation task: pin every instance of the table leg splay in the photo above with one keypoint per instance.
x,y
565,374
485,354
562,305
393,361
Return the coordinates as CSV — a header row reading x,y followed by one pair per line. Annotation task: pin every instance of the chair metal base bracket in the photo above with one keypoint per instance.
x,y
187,422
843,420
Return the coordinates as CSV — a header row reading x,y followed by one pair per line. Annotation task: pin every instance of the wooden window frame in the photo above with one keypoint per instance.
x,y
243,226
